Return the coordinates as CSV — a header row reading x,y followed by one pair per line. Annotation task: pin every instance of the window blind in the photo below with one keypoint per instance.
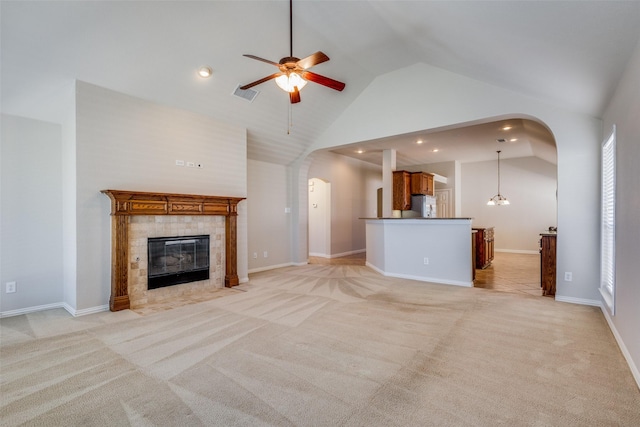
x,y
607,241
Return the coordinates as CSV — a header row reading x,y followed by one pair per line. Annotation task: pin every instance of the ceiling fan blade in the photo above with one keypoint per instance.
x,y
294,96
311,60
262,80
324,81
262,59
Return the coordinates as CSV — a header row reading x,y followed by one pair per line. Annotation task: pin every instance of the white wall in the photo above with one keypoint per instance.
x,y
624,111
452,99
353,195
268,223
530,185
31,213
128,143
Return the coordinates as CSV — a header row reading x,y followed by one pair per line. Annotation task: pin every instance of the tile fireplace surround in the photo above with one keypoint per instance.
x,y
153,212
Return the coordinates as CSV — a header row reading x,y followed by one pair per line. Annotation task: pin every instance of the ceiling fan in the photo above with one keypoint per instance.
x,y
294,74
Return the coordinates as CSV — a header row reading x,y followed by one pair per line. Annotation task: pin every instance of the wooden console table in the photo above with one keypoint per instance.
x,y
127,203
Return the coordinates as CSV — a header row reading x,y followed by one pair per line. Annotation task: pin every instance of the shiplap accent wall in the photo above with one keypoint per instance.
x,y
128,143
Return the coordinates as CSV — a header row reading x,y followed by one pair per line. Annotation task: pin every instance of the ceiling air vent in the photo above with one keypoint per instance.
x,y
501,140
249,94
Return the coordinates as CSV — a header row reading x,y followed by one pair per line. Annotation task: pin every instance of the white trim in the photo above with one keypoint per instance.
x,y
634,369
421,278
85,311
518,251
357,251
33,309
580,301
319,255
607,303
272,267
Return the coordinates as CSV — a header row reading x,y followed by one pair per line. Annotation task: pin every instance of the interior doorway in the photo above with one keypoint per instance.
x,y
444,208
319,218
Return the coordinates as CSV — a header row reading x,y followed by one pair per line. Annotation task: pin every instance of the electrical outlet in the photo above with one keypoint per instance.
x,y
191,165
179,162
265,254
11,287
568,276
426,261
255,255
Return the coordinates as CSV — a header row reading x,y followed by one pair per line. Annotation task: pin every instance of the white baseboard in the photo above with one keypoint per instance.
x,y
319,255
517,251
67,307
357,251
623,348
421,278
580,301
33,309
272,267
85,311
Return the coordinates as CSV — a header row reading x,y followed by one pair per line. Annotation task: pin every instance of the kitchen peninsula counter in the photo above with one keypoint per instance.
x,y
436,250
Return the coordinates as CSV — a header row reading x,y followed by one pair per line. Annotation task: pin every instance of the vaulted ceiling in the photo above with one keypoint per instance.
x,y
569,53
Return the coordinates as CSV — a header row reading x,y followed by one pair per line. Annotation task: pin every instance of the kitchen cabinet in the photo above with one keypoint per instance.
x,y
484,246
548,264
401,190
422,183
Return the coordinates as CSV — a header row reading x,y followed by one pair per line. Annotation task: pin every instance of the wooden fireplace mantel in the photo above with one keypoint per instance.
x,y
127,203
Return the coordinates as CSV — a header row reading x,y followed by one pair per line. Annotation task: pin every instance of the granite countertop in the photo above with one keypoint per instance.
x,y
551,231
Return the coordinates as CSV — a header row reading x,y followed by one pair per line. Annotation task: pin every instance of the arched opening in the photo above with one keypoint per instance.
x,y
465,155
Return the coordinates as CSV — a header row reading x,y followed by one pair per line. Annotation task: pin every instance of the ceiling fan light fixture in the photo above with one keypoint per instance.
x,y
288,82
205,71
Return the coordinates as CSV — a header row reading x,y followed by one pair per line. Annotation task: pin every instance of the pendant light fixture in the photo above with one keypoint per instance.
x,y
498,199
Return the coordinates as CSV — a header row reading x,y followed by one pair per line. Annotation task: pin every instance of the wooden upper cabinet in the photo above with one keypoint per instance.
x,y
422,183
401,190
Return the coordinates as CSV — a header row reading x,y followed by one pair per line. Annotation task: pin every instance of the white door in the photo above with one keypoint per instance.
x,y
443,203
319,218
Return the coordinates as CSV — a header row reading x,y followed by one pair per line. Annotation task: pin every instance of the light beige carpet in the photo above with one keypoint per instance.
x,y
322,346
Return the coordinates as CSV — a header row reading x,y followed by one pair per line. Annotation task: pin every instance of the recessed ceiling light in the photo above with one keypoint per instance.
x,y
513,139
435,150
360,151
419,141
205,71
507,127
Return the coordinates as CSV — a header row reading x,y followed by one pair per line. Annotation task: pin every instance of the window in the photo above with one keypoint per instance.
x,y
608,223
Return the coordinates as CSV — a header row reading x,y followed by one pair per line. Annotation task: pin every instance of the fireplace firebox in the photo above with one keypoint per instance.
x,y
177,260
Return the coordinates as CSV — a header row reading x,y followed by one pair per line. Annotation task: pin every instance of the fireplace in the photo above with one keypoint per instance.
x,y
129,251
177,260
